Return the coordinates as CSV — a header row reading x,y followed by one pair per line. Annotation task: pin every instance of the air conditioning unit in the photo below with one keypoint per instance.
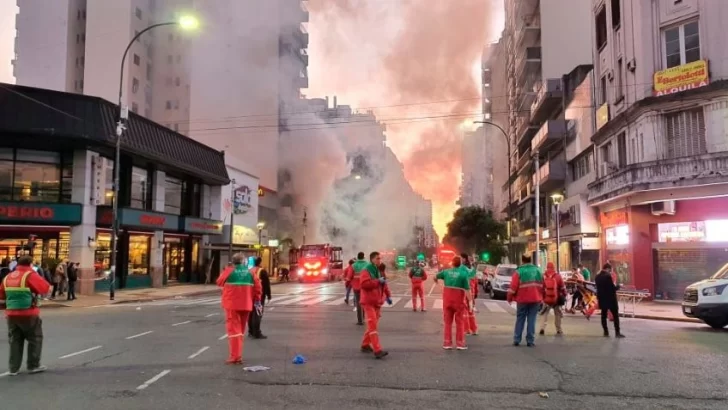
x,y
632,65
663,208
607,168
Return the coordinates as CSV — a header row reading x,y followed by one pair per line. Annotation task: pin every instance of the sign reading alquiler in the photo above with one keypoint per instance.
x,y
40,213
681,78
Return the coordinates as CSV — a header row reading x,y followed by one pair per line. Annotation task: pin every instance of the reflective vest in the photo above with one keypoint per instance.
x,y
18,296
240,276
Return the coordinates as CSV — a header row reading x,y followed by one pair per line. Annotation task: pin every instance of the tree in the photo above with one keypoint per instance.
x,y
474,230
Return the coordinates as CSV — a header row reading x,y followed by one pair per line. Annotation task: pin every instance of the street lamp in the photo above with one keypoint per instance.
x,y
557,199
510,195
186,23
357,176
260,226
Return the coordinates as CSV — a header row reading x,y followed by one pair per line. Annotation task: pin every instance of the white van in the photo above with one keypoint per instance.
x,y
707,300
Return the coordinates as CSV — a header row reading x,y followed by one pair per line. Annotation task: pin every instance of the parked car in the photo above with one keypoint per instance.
x,y
500,281
707,300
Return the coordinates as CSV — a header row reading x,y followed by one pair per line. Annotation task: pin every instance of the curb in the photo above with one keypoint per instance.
x,y
662,318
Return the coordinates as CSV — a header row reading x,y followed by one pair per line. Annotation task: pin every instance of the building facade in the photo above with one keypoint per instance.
x,y
476,188
495,110
661,144
55,202
536,60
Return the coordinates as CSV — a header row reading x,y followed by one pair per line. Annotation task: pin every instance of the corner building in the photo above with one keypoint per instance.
x,y
56,174
661,144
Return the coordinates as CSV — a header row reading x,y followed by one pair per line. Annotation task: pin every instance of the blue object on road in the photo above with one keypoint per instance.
x,y
389,301
298,359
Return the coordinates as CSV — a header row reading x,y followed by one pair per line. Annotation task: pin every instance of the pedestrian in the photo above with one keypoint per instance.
x,y
21,290
577,297
241,294
456,297
72,278
418,276
471,325
527,291
585,273
59,279
386,293
355,278
256,315
371,283
348,273
13,264
554,298
607,297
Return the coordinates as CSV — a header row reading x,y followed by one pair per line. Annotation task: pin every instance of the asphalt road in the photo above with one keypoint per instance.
x,y
169,355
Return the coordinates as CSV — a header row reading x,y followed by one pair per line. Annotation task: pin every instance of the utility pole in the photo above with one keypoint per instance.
x,y
538,206
232,220
305,220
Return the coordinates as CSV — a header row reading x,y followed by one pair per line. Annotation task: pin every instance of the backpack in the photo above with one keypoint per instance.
x,y
551,290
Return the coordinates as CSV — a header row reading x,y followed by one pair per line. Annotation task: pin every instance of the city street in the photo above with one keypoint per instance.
x,y
170,355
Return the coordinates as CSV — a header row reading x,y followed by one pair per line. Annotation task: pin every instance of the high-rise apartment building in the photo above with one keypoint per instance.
x,y
476,188
495,110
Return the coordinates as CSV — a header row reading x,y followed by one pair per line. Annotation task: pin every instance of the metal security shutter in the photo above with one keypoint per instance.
x,y
686,133
678,268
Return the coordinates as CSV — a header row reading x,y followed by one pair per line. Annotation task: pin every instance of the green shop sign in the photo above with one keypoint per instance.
x,y
29,213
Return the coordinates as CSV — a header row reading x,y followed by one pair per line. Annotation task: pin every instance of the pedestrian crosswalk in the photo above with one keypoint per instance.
x,y
297,300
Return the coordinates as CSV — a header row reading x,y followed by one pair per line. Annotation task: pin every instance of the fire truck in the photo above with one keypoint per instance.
x,y
322,262
444,257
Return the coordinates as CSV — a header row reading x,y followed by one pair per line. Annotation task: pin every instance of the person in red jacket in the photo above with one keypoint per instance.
x,y
21,290
386,293
456,297
527,291
371,300
354,277
471,325
554,297
348,273
418,276
241,293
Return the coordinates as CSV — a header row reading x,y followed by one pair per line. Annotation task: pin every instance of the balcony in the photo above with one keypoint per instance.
x,y
528,61
523,160
303,54
664,174
529,32
303,15
552,175
548,95
524,132
551,131
302,35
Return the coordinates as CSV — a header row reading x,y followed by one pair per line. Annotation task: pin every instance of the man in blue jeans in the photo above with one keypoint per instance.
x,y
527,291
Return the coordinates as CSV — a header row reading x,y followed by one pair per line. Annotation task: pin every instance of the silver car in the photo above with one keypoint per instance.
x,y
500,281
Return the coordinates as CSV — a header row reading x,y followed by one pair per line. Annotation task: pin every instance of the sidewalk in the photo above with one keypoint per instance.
x,y
659,311
134,295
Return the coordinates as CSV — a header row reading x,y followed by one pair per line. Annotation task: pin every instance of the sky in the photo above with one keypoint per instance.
x,y
415,63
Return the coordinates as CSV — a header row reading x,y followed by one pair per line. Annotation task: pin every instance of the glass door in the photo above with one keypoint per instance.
x,y
174,256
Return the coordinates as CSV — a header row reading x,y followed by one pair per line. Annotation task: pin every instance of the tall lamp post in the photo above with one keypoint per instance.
x,y
186,23
510,194
557,200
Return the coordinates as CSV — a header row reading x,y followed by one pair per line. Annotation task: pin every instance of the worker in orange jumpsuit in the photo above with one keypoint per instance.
x,y
372,282
241,292
352,276
471,325
386,293
456,297
348,273
418,276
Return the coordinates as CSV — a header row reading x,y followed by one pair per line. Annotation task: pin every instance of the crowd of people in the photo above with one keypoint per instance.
x,y
62,277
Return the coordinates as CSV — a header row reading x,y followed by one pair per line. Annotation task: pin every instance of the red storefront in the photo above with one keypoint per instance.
x,y
666,252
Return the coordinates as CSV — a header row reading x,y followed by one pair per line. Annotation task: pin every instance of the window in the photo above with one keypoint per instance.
x,y
81,82
137,59
138,13
139,254
83,61
607,156
616,14
134,107
601,28
168,105
603,91
140,188
619,91
581,166
83,14
83,37
176,81
136,33
77,62
685,133
173,189
149,72
78,38
682,44
78,16
134,85
35,176
622,150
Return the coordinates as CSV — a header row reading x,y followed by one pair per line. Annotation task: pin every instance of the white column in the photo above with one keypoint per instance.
x,y
158,191
157,249
79,250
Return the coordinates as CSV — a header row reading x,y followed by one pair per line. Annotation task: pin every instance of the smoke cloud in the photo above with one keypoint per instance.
x,y
404,54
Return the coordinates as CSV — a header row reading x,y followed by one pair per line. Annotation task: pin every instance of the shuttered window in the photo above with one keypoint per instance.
x,y
685,133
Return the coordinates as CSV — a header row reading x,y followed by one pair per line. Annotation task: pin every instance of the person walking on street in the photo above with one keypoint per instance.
x,y
527,291
456,297
577,297
256,315
607,297
241,294
372,283
59,279
348,273
21,290
585,273
418,276
554,298
355,275
72,278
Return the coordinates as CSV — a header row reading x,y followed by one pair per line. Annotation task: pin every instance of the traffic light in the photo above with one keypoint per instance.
x,y
485,256
420,256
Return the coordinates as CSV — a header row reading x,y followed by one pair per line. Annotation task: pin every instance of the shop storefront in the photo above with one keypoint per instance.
x,y
39,229
144,234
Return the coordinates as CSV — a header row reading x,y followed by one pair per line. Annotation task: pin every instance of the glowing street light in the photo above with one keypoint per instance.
x,y
188,22
357,176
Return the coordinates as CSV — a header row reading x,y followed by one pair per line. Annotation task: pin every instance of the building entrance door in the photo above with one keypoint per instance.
x,y
174,256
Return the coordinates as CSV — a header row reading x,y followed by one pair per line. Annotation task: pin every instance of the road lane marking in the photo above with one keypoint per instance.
x,y
223,337
394,303
139,335
408,305
337,302
153,379
212,314
277,300
182,323
269,309
4,374
81,352
438,304
296,300
432,289
316,300
494,307
199,352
